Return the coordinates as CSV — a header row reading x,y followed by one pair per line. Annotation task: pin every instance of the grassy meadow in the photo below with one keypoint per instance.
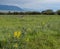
x,y
29,32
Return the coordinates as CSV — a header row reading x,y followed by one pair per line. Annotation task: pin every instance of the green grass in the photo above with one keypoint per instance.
x,y
37,31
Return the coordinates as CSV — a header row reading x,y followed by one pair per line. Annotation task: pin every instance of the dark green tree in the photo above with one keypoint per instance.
x,y
48,12
58,12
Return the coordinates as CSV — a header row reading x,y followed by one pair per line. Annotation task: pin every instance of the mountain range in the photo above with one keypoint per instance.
x,y
10,8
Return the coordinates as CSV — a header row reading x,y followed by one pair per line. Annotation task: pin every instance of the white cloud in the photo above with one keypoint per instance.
x,y
34,4
37,3
52,1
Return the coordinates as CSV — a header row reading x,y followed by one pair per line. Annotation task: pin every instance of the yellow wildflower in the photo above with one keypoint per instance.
x,y
17,34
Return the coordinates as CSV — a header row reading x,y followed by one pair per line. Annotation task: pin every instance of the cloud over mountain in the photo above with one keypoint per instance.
x,y
33,4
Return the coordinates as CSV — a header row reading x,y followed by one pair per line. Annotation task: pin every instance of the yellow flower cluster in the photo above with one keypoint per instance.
x,y
17,34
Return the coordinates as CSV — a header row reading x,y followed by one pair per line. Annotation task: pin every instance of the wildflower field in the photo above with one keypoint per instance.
x,y
29,32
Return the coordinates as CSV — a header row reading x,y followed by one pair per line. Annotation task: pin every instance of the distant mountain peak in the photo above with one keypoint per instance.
x,y
10,8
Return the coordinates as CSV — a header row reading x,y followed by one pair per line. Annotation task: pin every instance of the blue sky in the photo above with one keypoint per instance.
x,y
34,4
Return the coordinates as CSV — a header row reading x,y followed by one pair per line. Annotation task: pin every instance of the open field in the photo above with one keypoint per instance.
x,y
34,32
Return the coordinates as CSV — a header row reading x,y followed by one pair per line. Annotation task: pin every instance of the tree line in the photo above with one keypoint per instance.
x,y
45,12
